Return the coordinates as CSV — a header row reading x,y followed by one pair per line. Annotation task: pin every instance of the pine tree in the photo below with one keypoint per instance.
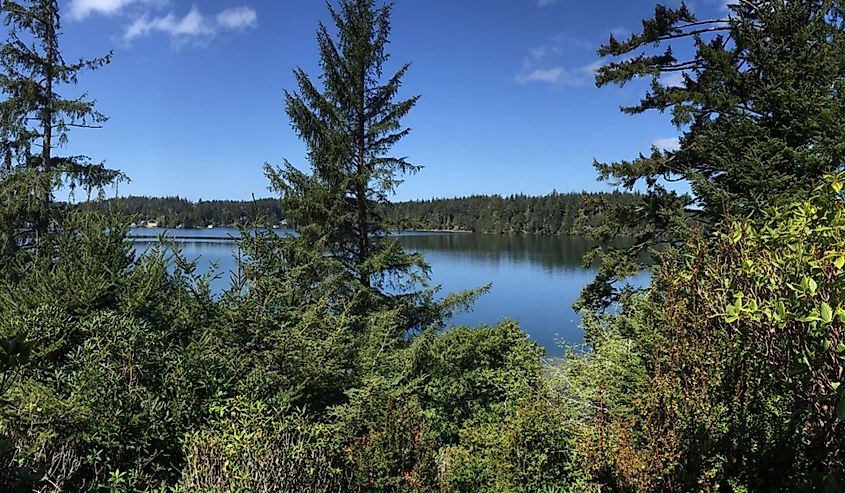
x,y
759,104
35,120
349,128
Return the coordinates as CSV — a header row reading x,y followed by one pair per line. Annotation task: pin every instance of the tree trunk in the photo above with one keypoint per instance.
x,y
43,223
361,182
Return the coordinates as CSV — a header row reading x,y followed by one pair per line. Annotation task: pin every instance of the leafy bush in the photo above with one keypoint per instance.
x,y
741,338
120,363
529,448
251,447
470,372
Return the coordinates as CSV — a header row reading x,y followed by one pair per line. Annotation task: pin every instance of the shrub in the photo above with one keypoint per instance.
x,y
741,336
251,447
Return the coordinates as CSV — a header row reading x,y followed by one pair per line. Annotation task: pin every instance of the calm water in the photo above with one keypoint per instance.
x,y
535,278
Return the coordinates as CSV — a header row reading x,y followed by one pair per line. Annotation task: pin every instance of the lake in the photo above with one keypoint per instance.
x,y
535,278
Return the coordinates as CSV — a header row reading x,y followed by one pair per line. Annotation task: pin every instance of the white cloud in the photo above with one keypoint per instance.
x,y
237,18
543,3
145,17
539,65
667,143
561,75
194,26
672,79
80,9
542,75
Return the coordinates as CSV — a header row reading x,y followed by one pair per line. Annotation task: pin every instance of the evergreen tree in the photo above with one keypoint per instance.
x,y
349,128
34,121
758,102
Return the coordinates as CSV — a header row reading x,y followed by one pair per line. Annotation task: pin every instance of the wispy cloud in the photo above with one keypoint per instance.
x,y
237,18
542,62
80,9
672,79
148,17
194,26
544,3
667,143
552,74
555,45
561,75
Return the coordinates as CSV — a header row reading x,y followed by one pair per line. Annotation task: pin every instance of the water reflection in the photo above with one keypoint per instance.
x,y
555,253
536,279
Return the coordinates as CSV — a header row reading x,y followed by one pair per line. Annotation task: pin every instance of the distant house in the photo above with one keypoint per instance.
x,y
151,224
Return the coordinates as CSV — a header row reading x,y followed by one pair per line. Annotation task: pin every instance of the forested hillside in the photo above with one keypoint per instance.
x,y
551,214
171,212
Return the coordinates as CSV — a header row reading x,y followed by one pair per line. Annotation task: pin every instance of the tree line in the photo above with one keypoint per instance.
x,y
552,214
174,212
329,363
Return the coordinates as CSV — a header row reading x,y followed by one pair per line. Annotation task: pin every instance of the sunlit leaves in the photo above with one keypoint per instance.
x,y
758,114
773,288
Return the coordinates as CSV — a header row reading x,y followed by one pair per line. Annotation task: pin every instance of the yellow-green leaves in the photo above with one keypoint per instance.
x,y
750,307
808,286
826,313
780,311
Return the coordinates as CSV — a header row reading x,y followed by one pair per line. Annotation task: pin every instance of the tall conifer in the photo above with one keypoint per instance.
x,y
349,127
757,96
35,119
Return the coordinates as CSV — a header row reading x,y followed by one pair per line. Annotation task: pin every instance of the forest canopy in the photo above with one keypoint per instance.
x,y
552,214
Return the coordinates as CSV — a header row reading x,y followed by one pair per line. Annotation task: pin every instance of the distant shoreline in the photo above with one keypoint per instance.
x,y
407,230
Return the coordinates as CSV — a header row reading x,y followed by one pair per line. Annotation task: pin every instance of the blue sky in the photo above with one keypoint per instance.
x,y
194,92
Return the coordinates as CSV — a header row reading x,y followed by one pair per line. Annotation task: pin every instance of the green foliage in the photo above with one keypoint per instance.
x,y
14,354
172,212
34,120
420,416
489,406
739,338
120,364
551,214
529,448
462,410
759,113
473,371
349,128
392,448
752,99
251,447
